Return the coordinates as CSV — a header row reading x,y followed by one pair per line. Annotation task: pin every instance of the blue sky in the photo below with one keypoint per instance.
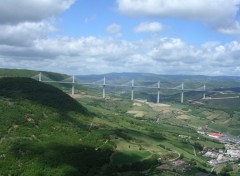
x,y
90,18
95,37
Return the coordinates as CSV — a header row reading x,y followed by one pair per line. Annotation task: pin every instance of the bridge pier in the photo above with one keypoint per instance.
x,y
73,87
180,88
132,92
204,91
158,95
40,76
104,86
182,93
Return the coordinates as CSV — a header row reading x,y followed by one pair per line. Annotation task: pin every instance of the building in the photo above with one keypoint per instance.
x,y
201,132
215,135
233,153
209,154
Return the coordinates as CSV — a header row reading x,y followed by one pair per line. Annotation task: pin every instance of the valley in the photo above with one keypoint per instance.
x,y
172,125
120,88
45,131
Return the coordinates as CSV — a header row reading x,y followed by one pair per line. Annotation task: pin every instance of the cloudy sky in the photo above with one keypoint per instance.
x,y
100,36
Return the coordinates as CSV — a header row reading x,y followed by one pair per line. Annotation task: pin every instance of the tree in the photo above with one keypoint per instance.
x,y
226,169
181,156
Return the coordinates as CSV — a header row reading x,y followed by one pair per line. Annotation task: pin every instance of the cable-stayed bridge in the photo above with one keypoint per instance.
x,y
133,85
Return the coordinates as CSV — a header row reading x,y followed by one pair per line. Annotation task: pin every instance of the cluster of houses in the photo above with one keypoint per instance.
x,y
231,152
221,156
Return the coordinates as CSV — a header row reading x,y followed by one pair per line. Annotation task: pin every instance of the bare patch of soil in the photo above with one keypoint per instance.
x,y
136,113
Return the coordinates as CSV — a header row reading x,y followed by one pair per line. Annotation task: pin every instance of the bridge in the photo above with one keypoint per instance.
x,y
72,80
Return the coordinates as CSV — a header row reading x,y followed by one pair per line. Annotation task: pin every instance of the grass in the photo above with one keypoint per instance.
x,y
210,144
38,93
128,157
46,132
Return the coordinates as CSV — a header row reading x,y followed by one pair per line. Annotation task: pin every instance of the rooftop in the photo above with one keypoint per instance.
x,y
215,134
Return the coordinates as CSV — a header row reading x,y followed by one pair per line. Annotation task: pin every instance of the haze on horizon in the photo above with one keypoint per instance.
x,y
191,37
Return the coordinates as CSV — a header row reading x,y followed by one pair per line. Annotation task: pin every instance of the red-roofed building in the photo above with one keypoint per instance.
x,y
215,135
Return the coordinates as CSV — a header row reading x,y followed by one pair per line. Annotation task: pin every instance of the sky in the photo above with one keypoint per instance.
x,y
80,37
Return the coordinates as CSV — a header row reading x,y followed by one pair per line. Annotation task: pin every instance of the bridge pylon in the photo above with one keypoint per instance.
x,y
158,94
104,87
73,87
132,92
182,94
40,76
204,91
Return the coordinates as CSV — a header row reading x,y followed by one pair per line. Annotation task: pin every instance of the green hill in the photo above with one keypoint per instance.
x,y
46,76
41,132
29,73
37,92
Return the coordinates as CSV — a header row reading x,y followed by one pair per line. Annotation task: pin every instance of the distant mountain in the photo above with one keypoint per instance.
x,y
166,80
126,76
156,77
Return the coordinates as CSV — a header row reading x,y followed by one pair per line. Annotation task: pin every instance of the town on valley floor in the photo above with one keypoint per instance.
x,y
231,152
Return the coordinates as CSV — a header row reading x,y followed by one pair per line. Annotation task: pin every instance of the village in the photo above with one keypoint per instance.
x,y
231,153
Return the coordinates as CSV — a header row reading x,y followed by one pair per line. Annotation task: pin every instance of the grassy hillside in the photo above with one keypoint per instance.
x,y
42,132
153,133
46,76
38,93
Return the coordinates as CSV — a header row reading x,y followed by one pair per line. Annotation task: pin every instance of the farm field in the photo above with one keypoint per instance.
x,y
148,129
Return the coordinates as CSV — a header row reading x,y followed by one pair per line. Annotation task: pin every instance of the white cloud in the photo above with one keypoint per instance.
x,y
114,29
24,41
22,23
149,27
24,33
218,14
89,55
12,11
172,50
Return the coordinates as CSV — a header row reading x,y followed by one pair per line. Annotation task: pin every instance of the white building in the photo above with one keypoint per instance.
x,y
233,153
